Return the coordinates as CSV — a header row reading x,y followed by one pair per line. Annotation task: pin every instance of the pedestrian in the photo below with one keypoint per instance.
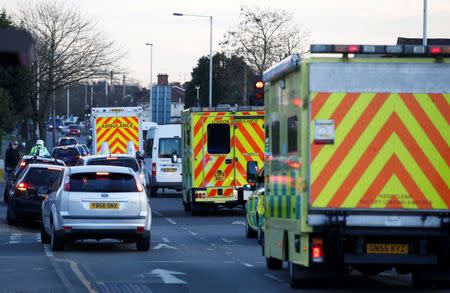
x,y
12,158
39,149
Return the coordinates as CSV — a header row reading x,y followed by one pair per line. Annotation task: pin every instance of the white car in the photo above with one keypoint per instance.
x,y
119,160
96,202
162,158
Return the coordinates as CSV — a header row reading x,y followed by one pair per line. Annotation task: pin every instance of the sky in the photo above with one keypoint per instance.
x,y
178,42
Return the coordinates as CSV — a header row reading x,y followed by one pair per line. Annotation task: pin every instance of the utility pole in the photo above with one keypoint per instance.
x,y
92,93
425,4
85,95
106,92
244,100
68,102
123,88
197,87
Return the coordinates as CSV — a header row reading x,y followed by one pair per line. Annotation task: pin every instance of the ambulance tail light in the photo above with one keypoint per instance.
x,y
153,169
317,250
435,50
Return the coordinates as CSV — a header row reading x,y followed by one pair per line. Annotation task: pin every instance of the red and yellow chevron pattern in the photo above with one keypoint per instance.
x,y
246,143
390,151
117,132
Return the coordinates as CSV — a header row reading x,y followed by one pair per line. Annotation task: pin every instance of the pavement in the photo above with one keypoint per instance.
x,y
189,254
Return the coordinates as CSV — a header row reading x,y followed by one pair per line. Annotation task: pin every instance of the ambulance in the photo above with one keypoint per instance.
x,y
219,145
117,128
358,165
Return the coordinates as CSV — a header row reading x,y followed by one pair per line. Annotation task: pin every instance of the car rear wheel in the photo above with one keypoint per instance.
x,y
11,215
143,243
56,241
153,191
5,196
45,238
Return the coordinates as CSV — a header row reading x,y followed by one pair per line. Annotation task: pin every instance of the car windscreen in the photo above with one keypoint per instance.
x,y
169,146
73,127
67,141
41,177
115,161
102,182
68,152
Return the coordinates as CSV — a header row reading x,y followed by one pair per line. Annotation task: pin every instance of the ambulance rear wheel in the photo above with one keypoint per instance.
x,y
187,206
195,209
249,232
273,263
300,277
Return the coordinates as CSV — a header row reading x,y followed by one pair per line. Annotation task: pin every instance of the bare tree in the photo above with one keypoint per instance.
x,y
264,37
68,49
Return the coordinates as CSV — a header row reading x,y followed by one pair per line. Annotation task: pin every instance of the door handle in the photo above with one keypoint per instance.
x,y
227,161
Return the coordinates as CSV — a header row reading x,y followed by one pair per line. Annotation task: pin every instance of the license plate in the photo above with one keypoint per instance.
x,y
380,248
169,169
104,205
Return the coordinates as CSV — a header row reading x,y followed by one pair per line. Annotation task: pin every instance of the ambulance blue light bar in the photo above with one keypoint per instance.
x,y
414,50
282,68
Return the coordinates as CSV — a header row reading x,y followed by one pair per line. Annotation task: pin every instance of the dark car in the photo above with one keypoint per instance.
x,y
69,154
67,141
73,130
86,149
58,124
26,160
26,197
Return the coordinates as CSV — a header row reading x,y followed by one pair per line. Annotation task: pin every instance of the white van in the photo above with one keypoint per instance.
x,y
162,162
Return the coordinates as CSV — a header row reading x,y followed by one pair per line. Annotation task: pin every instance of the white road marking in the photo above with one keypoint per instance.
x,y
48,250
190,232
79,274
243,263
157,213
168,276
162,245
238,223
274,278
171,221
15,238
59,272
165,261
164,239
226,240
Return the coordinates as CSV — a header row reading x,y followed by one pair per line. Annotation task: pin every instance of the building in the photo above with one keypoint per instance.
x,y
167,101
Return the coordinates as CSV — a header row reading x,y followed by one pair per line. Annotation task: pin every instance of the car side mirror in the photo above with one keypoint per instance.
x,y
43,191
174,158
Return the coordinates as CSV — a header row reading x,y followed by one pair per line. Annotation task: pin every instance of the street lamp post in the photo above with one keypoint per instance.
x,y
210,49
197,87
151,76
425,4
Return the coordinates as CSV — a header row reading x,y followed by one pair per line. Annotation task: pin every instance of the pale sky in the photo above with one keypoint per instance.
x,y
180,41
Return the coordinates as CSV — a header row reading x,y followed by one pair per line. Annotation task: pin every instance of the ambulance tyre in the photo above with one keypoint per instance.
x,y
273,263
187,206
300,277
195,209
249,232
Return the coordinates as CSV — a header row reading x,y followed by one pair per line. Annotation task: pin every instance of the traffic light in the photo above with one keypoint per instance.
x,y
258,88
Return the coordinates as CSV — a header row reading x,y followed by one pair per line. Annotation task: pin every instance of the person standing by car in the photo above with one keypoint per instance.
x,y
12,158
39,149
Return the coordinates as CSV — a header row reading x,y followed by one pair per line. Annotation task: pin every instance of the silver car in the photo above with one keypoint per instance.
x,y
96,202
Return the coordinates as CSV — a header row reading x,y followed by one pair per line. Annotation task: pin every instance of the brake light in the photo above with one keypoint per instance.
x,y
22,186
67,229
23,164
67,183
153,169
140,229
102,173
112,158
317,250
